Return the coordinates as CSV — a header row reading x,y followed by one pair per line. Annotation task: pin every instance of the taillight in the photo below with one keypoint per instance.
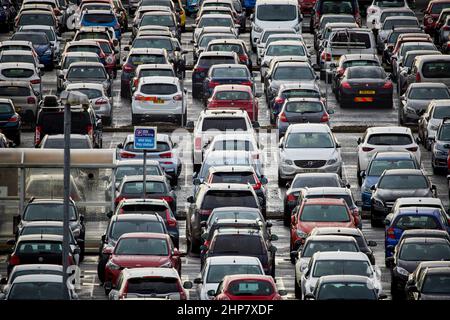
x,y
243,57
418,78
446,28
178,97
279,100
247,83
198,143
166,155
167,198
31,100
14,118
128,68
118,199
282,117
367,149
14,260
213,84
199,69
412,149
37,135
346,85
101,101
388,85
135,82
340,71
35,81
258,184
90,130
325,56
291,197
325,117
124,154
391,233
205,212
139,97
172,223
430,20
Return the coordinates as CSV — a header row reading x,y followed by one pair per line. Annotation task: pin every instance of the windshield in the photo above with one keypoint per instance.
x,y
148,286
436,284
86,73
437,7
161,43
217,272
224,124
323,246
378,166
285,50
309,140
136,187
35,291
137,59
250,288
390,3
159,89
276,12
336,267
316,181
142,246
244,145
390,139
237,245
301,93
444,133
217,199
34,38
98,18
429,93
436,69
425,252
156,73
157,20
227,47
304,107
346,291
407,222
121,227
294,73
58,143
245,215
137,170
71,59
405,182
324,213
47,212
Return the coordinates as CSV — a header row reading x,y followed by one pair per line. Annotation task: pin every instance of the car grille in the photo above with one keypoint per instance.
x,y
310,163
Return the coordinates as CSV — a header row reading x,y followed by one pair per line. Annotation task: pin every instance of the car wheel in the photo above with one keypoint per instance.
x,y
134,120
286,219
124,92
272,272
297,289
194,246
281,181
17,139
358,176
107,121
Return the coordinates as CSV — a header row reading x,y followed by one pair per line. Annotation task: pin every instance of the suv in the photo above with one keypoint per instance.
x,y
209,197
334,7
212,122
50,120
243,242
430,68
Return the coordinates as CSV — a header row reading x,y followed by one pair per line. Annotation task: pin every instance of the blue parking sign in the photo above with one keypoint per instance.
x,y
145,138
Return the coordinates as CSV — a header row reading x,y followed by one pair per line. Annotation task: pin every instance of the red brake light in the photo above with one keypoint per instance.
x,y
14,118
31,100
118,199
247,83
135,82
37,134
199,69
291,197
412,149
139,97
178,97
279,100
388,85
418,78
340,71
346,85
446,28
325,117
325,56
101,101
205,212
128,68
367,149
124,154
172,223
282,117
90,130
166,155
167,198
198,143
213,84
14,260
243,57
35,81
390,233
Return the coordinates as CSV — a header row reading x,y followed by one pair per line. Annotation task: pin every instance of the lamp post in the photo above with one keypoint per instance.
x,y
69,98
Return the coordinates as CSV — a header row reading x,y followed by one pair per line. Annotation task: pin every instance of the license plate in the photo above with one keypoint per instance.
x,y
366,91
154,99
363,99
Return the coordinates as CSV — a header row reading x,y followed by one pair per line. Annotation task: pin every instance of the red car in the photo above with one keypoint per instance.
x,y
319,212
306,5
234,97
140,250
431,14
247,287
109,57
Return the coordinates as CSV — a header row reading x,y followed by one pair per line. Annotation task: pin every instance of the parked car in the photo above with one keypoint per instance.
x,y
429,121
246,287
10,121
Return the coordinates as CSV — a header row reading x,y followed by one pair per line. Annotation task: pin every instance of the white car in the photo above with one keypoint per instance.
x,y
418,202
20,56
338,263
378,139
213,122
232,142
216,268
266,33
17,45
159,98
214,20
308,147
22,72
97,96
374,10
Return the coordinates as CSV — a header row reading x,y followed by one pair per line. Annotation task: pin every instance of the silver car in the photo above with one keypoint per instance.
x,y
22,72
82,72
67,59
23,96
308,148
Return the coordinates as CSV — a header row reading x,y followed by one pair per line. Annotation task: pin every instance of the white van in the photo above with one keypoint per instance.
x,y
274,14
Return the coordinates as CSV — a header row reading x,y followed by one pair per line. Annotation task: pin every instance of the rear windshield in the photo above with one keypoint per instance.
x,y
71,59
301,93
156,73
227,47
406,182
230,73
389,24
6,108
90,93
159,89
208,61
142,246
378,166
238,244
17,73
157,20
407,222
160,147
92,35
276,12
390,139
52,122
53,143
86,73
148,286
137,187
324,213
244,145
98,18
39,247
36,19
390,3
215,22
324,246
106,48
217,272
47,212
121,227
304,107
366,73
123,171
224,124
34,38
346,291
232,95
436,8
360,38
35,291
438,69
425,252
360,63
137,59
250,288
335,267
316,181
429,93
84,48
230,177
347,198
293,73
285,50
159,43
441,111
384,15
217,199
17,58
337,7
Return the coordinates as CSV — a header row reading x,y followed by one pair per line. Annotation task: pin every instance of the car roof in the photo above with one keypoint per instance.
x,y
140,178
44,223
417,172
427,84
339,255
441,102
401,18
128,162
39,237
299,99
223,113
150,272
337,230
393,155
134,217
72,136
146,235
433,58
314,174
328,191
86,64
324,201
425,240
309,127
23,65
231,87
230,41
418,200
160,79
418,210
238,232
18,83
236,277
24,267
216,53
388,129
89,85
287,42
215,15
237,209
162,137
219,260
38,278
344,278
228,186
359,56
17,52
147,50
144,201
299,85
294,64
431,233
438,270
229,66
329,238
80,54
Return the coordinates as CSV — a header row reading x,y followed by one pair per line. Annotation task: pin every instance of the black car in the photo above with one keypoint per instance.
x,y
322,7
7,14
407,256
397,183
440,145
307,180
10,121
415,277
121,224
434,284
424,233
243,242
50,120
364,85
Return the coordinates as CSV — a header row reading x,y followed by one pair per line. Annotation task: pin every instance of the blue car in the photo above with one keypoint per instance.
x,y
191,7
408,218
249,6
101,18
384,161
10,122
41,44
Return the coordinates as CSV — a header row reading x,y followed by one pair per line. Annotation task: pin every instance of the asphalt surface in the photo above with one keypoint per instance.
x,y
349,120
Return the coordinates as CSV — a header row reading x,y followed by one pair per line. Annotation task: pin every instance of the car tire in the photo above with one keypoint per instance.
x,y
272,271
297,289
16,139
358,176
107,121
194,246
286,219
134,120
281,181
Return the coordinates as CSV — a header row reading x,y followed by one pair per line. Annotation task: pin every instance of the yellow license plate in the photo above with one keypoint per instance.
x,y
366,91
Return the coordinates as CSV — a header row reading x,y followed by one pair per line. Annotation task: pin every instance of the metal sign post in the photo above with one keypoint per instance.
x,y
145,139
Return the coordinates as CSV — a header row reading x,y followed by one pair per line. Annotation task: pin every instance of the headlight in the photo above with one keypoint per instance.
x,y
288,162
257,28
402,271
301,234
332,161
111,265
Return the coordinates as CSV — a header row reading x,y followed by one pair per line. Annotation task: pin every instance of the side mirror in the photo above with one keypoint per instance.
x,y
330,111
309,296
373,188
282,292
372,243
273,237
264,180
387,222
412,288
3,281
109,214
211,293
203,224
104,238
190,125
363,174
316,67
294,255
11,242
269,224
187,285
190,199
205,235
120,146
198,281
359,140
255,124
382,296
197,182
